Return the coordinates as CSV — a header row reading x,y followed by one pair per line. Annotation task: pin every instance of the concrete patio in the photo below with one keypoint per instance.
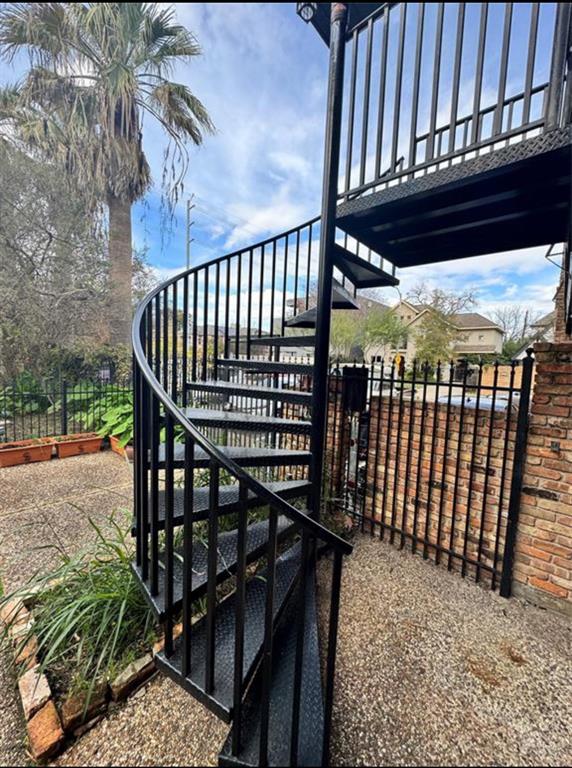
x,y
431,670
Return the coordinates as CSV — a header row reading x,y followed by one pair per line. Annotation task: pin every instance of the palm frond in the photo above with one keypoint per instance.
x,y
82,100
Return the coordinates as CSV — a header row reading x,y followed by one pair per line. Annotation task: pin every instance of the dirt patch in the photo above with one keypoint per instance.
x,y
487,674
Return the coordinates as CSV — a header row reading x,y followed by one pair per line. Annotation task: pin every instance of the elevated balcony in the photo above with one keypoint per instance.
x,y
456,134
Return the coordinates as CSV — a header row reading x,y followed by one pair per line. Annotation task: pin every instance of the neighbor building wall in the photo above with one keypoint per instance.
x,y
543,556
479,339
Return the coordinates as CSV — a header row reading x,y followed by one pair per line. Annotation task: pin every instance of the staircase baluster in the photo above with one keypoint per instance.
x,y
165,339
137,459
195,324
261,292
155,440
169,510
146,341
216,321
212,576
188,551
185,349
249,312
174,346
299,660
238,293
268,637
239,618
284,285
227,307
204,375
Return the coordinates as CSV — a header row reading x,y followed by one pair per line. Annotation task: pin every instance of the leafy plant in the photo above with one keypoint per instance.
x,y
89,615
24,396
117,421
88,403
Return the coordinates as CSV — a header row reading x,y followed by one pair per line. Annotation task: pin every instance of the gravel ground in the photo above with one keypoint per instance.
x,y
433,670
44,508
163,726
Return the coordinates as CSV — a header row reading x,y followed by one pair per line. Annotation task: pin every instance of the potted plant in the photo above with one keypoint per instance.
x,y
118,427
80,443
26,451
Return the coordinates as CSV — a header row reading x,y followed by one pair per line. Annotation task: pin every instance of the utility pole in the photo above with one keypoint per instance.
x,y
189,239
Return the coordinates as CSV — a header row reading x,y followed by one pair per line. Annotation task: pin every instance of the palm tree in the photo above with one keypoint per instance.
x,y
95,70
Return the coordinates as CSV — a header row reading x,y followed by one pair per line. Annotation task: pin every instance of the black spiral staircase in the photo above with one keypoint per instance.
x,y
231,386
227,527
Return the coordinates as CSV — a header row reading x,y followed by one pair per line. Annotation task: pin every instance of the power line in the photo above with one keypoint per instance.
x,y
226,218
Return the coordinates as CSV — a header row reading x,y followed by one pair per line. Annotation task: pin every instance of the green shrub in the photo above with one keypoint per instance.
x,y
90,617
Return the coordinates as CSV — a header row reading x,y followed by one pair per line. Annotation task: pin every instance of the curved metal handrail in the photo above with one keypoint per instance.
x,y
209,447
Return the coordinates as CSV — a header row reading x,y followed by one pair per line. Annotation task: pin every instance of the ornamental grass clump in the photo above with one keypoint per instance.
x,y
90,617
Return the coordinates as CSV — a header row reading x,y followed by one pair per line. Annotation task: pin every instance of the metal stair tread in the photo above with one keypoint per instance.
x,y
311,723
284,341
220,700
257,539
267,366
362,273
244,456
228,499
253,391
249,421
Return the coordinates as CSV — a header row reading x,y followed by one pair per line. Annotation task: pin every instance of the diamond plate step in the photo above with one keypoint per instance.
x,y
228,500
285,341
244,456
220,700
230,389
266,366
257,540
206,417
311,723
341,299
362,273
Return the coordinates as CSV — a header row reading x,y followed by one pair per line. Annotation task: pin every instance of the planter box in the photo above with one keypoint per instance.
x,y
25,452
75,445
115,446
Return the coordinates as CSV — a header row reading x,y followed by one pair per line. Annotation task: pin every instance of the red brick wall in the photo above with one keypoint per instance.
x,y
429,485
560,336
543,561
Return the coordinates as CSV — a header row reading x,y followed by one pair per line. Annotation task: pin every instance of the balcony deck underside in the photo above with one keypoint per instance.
x,y
515,197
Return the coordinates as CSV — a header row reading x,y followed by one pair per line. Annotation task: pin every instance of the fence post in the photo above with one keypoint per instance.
x,y
64,411
517,473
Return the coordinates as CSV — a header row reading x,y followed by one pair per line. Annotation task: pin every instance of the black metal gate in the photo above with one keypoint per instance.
x,y
435,459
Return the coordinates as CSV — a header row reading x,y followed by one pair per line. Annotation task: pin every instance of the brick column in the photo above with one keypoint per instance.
x,y
560,336
543,556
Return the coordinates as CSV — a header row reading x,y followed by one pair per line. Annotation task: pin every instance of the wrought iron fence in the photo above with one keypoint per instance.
x,y
431,84
56,408
432,457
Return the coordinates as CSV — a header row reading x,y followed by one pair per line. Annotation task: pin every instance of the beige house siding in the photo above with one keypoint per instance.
x,y
487,340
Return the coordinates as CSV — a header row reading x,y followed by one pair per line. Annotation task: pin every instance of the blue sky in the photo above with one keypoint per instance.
x,y
263,78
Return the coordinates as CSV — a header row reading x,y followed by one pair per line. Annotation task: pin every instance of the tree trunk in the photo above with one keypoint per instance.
x,y
120,271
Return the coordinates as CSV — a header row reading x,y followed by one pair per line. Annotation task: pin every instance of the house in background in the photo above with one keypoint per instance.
x,y
541,330
477,334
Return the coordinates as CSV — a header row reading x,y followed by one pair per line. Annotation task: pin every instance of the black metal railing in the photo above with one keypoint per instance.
x,y
182,331
432,456
57,407
432,84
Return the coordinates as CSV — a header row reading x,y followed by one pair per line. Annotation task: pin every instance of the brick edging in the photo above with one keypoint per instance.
x,y
51,723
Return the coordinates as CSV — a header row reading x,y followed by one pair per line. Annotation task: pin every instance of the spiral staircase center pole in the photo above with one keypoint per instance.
x,y
338,27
